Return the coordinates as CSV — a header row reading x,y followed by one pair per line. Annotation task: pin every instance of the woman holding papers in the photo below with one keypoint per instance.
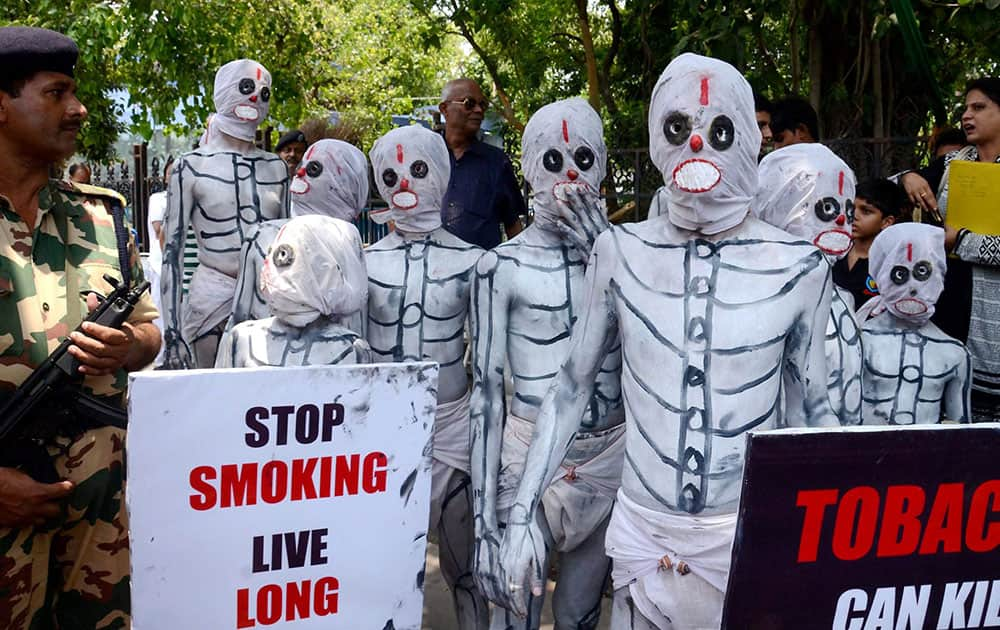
x,y
978,317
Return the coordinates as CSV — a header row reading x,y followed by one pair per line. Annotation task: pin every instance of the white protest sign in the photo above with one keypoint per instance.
x,y
290,497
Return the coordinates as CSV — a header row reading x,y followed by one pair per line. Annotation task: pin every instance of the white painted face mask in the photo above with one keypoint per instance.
x,y
908,263
562,148
314,267
332,181
704,139
412,170
806,190
242,98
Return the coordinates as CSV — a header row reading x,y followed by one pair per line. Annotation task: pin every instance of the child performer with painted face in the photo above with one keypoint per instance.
x,y
806,190
419,279
527,295
913,373
314,282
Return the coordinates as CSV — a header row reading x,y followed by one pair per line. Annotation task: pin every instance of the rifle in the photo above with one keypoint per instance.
x,y
23,446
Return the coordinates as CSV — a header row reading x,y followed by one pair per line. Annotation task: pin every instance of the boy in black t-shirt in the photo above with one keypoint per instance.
x,y
878,203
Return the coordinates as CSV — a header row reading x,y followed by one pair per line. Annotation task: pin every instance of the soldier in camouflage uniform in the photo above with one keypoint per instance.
x,y
64,559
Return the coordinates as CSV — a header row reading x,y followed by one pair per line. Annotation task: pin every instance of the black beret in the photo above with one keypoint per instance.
x,y
292,136
25,50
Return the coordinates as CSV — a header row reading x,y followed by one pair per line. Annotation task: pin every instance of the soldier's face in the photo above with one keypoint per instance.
x,y
44,119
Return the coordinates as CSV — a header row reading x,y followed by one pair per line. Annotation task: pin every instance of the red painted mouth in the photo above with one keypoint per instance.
x,y
246,112
299,186
404,199
833,242
696,175
560,190
910,306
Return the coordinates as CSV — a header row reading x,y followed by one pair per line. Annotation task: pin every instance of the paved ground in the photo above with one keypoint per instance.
x,y
438,614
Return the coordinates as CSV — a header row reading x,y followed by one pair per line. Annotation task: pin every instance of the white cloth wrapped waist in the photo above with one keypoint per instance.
x,y
580,496
208,303
451,433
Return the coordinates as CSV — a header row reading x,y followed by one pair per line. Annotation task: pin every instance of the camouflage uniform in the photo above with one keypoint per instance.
x,y
74,574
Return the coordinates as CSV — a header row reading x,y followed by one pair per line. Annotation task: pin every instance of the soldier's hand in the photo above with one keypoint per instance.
x,y
99,349
24,501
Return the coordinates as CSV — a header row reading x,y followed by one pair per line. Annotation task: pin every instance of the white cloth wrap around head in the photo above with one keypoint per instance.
x,y
804,190
238,114
339,189
414,201
566,127
709,164
911,294
314,267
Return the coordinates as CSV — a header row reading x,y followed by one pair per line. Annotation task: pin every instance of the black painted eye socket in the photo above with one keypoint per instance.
x,y
552,161
849,210
247,86
677,128
899,274
419,169
827,209
265,94
584,158
721,134
922,270
389,177
283,256
314,169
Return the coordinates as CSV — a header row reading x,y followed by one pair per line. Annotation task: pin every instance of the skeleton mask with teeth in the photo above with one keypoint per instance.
x,y
704,138
562,149
806,190
908,264
242,98
412,169
314,267
332,181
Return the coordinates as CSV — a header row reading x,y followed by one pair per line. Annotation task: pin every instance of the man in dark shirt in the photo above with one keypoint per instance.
x,y
483,193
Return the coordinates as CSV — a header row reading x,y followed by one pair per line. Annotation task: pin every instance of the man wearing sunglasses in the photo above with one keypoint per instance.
x,y
483,192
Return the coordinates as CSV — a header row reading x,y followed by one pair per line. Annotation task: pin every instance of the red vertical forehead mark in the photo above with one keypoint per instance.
x,y
704,91
841,184
565,131
909,252
399,153
310,154
258,73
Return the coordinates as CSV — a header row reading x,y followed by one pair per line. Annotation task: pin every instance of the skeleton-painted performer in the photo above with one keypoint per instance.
x,y
222,190
332,181
314,282
419,278
721,319
527,294
806,190
913,373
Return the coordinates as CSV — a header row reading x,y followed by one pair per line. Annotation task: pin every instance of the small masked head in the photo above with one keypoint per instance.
x,y
908,264
806,190
314,267
562,148
332,180
704,139
412,169
242,98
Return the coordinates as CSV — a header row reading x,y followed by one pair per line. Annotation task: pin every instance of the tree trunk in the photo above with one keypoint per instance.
x,y
593,80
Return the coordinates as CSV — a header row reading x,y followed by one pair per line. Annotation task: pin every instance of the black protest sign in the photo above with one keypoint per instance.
x,y
858,529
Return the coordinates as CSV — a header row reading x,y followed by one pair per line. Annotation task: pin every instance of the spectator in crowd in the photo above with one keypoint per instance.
x,y
969,308
290,148
157,209
763,108
64,560
878,203
793,120
483,193
946,141
79,173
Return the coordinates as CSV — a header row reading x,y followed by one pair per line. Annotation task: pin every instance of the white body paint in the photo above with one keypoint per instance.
x,y
913,373
221,191
721,320
419,279
806,190
528,294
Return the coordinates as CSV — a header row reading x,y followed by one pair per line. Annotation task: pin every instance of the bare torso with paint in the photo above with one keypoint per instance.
x,y
272,342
